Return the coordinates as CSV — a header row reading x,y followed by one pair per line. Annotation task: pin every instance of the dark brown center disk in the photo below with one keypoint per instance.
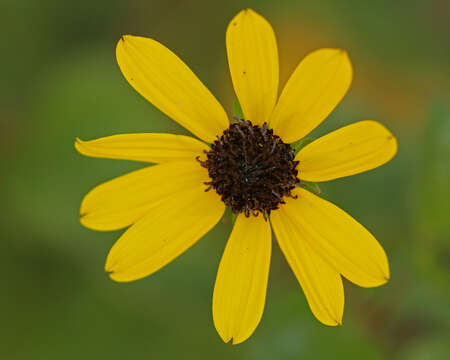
x,y
251,168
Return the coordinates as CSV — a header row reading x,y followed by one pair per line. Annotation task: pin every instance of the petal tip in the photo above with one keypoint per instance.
x,y
83,214
332,52
244,13
237,341
334,321
225,339
83,208
240,338
386,276
125,37
250,11
234,20
89,223
330,321
115,277
121,42
80,146
392,139
234,340
382,281
343,52
247,11
377,281
109,264
108,271
77,143
113,274
345,57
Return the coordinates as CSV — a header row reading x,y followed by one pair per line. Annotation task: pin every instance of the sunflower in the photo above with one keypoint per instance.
x,y
248,165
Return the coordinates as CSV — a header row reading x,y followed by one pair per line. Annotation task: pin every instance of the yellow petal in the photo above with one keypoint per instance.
x,y
253,60
350,150
168,83
124,200
320,282
241,283
172,226
339,239
156,148
314,89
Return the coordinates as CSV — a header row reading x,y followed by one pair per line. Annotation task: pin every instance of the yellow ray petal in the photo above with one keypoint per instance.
x,y
156,148
350,150
253,61
124,200
241,283
172,226
168,83
320,282
339,239
317,85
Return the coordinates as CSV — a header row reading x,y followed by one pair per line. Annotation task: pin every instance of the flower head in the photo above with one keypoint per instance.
x,y
251,168
247,165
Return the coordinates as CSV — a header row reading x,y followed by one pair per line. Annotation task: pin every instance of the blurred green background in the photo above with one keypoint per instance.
x,y
60,80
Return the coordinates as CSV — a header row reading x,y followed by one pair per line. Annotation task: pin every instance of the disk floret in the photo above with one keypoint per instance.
x,y
251,168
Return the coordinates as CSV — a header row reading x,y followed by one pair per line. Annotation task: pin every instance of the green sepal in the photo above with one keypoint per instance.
x,y
233,217
237,110
310,186
298,145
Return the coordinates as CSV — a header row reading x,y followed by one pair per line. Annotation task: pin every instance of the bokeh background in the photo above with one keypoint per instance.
x,y
60,80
